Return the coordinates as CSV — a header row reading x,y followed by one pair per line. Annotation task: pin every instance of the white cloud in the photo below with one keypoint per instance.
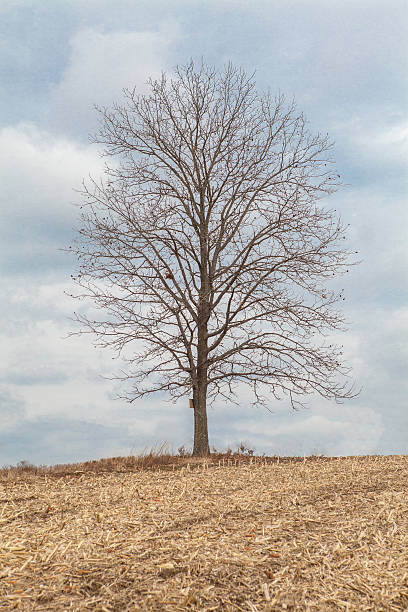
x,y
39,171
336,430
387,143
101,65
393,140
371,137
11,408
61,377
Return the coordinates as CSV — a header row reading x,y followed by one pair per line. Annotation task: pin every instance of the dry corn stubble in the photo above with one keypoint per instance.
x,y
316,534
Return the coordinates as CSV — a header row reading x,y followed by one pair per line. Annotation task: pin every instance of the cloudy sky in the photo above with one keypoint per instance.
x,y
345,61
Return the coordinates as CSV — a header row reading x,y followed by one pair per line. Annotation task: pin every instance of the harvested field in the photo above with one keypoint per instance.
x,y
238,533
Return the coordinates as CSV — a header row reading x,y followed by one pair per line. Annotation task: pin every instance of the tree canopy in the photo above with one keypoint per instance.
x,y
207,246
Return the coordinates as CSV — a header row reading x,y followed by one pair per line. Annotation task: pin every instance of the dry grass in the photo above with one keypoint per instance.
x,y
232,532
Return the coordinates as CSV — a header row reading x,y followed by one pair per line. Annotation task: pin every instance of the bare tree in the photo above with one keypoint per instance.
x,y
207,248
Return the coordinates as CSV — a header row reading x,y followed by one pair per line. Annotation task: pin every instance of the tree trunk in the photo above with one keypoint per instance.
x,y
201,445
